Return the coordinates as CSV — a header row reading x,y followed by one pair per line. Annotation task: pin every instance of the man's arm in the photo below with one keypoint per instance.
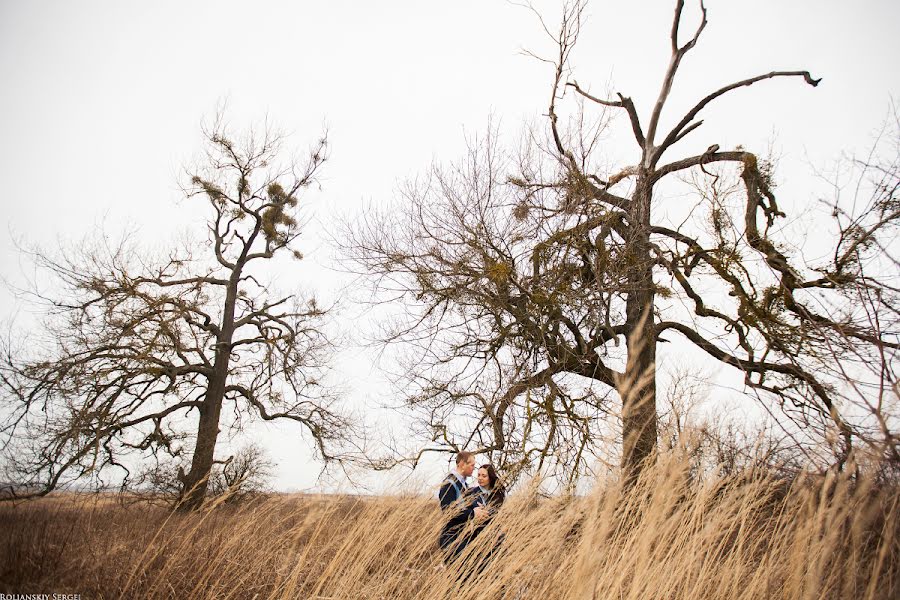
x,y
447,495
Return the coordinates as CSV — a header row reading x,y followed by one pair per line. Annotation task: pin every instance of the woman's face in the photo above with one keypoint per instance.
x,y
483,479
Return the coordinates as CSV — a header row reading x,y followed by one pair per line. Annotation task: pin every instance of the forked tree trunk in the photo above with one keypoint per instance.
x,y
638,389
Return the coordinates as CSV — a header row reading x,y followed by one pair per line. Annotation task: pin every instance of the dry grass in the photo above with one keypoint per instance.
x,y
732,538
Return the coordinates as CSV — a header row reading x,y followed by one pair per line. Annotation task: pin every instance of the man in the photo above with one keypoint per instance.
x,y
453,501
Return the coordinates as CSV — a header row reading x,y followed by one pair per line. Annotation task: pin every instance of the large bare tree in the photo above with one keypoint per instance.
x,y
134,348
541,283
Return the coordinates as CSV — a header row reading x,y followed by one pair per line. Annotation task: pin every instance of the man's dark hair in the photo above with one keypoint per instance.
x,y
463,457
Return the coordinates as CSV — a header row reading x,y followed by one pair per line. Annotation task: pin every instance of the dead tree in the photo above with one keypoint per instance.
x,y
132,347
525,287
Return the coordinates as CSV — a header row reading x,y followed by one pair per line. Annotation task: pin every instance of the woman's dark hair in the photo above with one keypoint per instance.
x,y
498,492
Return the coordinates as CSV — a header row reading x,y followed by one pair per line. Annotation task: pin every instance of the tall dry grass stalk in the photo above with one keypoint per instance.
x,y
669,536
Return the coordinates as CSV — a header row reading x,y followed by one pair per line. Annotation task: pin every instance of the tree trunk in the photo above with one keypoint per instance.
x,y
195,483
638,389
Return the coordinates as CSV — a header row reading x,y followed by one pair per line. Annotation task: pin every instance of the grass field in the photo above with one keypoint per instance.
x,y
667,538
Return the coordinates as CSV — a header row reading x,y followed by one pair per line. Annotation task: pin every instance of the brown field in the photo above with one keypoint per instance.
x,y
747,537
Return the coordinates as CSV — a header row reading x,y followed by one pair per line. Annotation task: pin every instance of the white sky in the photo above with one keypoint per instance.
x,y
101,102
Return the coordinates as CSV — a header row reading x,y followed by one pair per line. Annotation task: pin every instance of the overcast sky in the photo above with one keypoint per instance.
x,y
101,102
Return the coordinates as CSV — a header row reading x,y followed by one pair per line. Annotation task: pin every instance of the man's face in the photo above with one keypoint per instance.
x,y
466,467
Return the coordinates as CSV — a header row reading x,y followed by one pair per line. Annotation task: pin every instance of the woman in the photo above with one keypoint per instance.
x,y
484,500
488,497
490,493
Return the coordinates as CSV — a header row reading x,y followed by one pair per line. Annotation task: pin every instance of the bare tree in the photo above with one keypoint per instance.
x,y
130,346
539,297
245,474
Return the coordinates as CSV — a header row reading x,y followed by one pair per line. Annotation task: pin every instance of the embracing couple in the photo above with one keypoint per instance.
x,y
462,504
